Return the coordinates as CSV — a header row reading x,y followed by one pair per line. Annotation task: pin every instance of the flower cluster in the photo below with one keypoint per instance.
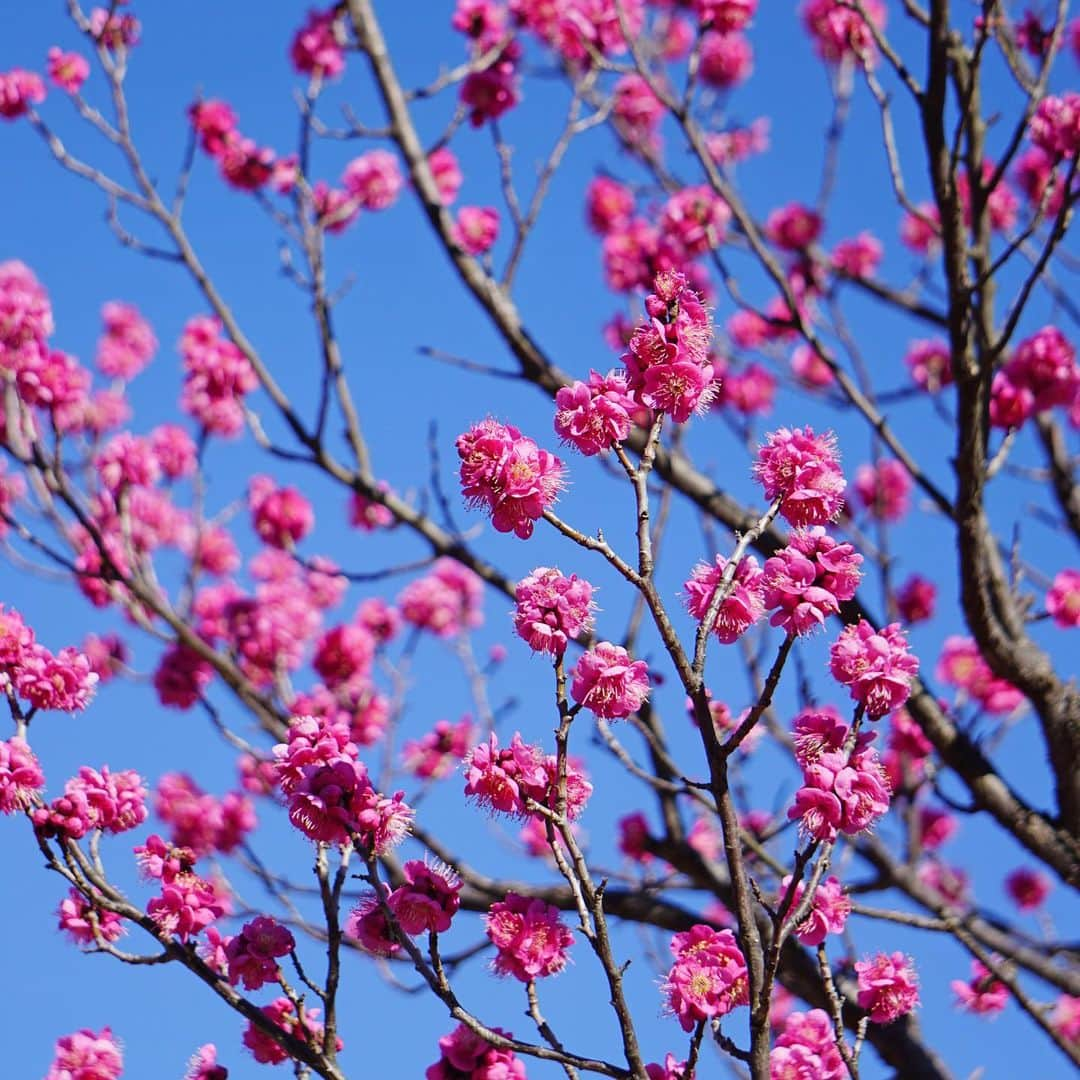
x,y
508,474
884,489
202,822
243,164
708,977
809,579
93,1055
128,343
802,470
876,666
187,903
330,797
806,1049
828,912
19,91
20,774
463,1055
111,802
844,790
1041,373
85,922
281,515
253,954
888,987
839,31
667,362
743,603
445,602
306,1026
317,48
595,415
1055,127
531,939
436,753
217,377
551,608
962,665
608,683
982,994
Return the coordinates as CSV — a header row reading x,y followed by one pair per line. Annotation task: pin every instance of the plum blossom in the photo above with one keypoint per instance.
x,y
608,683
888,987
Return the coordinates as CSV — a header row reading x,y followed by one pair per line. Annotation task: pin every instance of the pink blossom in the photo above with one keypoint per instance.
x,y
806,1049
828,912
507,473
1036,174
344,653
494,90
725,15
369,926
281,515
317,48
64,682
737,144
609,205
803,471
982,994
214,123
876,666
204,1065
428,899
884,489
67,70
1055,127
87,1055
531,939
114,29
217,377
1044,368
503,778
920,231
85,923
201,822
693,220
667,364
841,797
859,257
482,20
282,1014
446,172
743,605
629,252
20,775
608,683
253,953
174,450
181,677
373,179
368,514
1063,599
19,90
634,837
1065,1018
592,416
808,580
245,165
435,754
726,59
888,987
476,229
465,1056
839,31
551,609
708,978
962,665
446,602
916,599
749,392
570,26
930,363
637,112
1028,889
793,227
810,369
670,1070
187,905
128,343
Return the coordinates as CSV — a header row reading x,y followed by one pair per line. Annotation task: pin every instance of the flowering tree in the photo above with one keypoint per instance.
x,y
864,654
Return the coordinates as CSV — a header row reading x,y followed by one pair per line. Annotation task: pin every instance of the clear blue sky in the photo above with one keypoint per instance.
x,y
404,297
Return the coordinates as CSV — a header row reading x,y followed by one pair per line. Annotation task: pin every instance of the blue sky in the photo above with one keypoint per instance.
x,y
405,296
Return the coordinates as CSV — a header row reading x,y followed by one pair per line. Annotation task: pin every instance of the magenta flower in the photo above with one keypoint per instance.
x,y
962,665
708,978
187,905
982,994
930,364
859,257
803,471
839,31
551,608
503,778
531,939
20,775
445,602
793,227
217,377
252,954
667,364
465,1056
888,987
806,1049
281,1012
884,489
1028,889
428,900
725,15
876,666
204,1065
508,474
828,913
1063,599
743,606
609,205
608,683
1055,127
592,416
87,1055
19,91
318,47
726,60
281,515
694,219
446,172
476,229
373,180
916,599
435,754
84,923
809,579
67,70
